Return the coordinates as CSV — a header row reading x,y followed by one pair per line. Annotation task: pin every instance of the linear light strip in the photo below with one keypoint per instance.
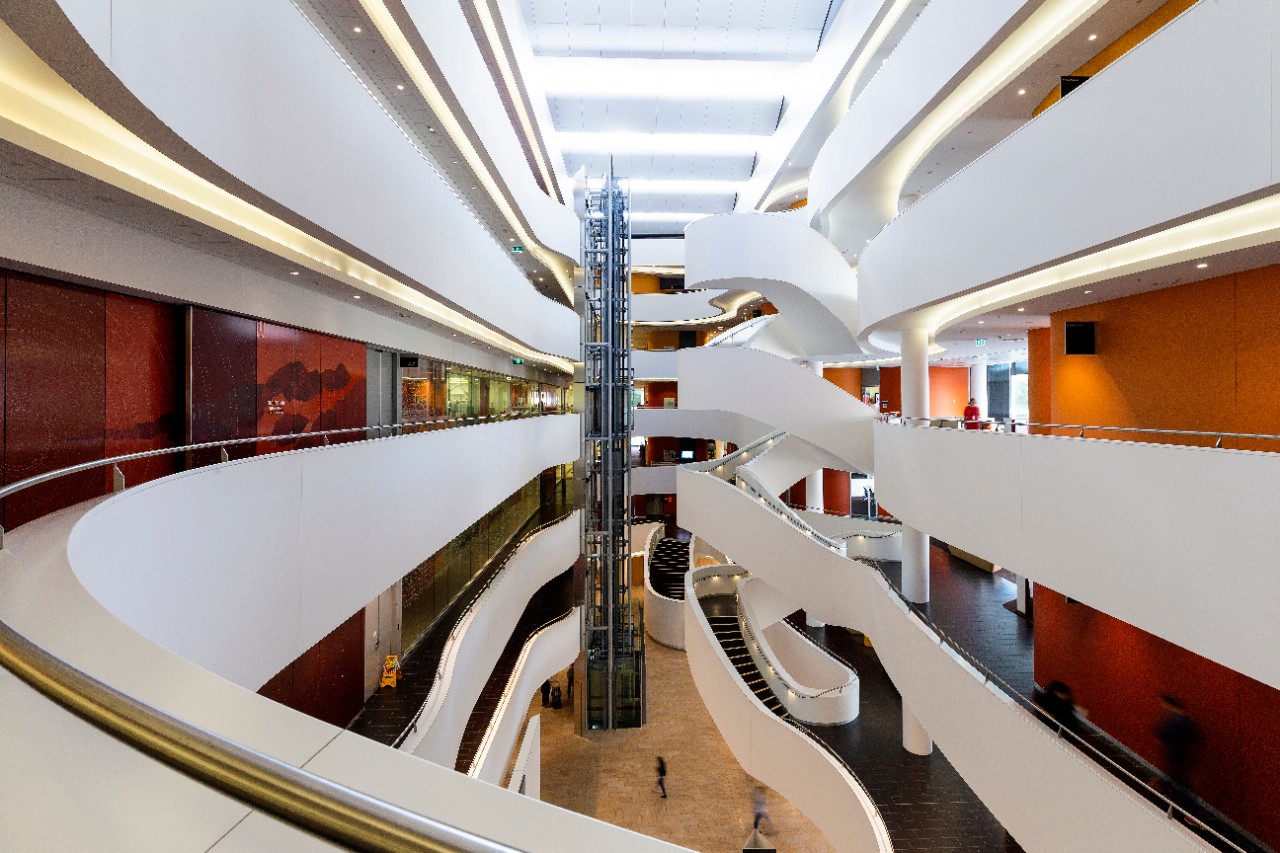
x,y
41,112
1253,224
395,38
514,92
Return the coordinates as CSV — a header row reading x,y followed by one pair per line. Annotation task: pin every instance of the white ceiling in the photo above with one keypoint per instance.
x,y
680,91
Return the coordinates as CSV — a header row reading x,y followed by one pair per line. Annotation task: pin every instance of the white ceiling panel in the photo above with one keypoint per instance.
x,y
659,115
683,202
664,166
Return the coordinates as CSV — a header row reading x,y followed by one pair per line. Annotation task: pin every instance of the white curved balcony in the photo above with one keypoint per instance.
x,y
271,139
1107,522
653,480
800,272
1077,195
954,57
768,748
663,616
875,540
680,307
546,653
653,364
260,525
782,393
1035,784
700,422
477,641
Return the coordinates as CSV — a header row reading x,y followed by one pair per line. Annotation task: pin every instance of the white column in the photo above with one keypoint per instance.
x,y
915,404
914,737
978,386
813,483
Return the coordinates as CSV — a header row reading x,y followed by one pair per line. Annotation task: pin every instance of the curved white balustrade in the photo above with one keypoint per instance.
x,y
1080,177
663,617
681,306
1036,785
653,364
276,130
699,422
545,653
658,252
47,750
795,267
875,540
653,480
526,773
478,641
912,103
771,750
787,461
811,684
775,391
268,546
1123,517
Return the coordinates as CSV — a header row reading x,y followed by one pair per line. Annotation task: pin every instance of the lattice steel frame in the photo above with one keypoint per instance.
x,y
614,628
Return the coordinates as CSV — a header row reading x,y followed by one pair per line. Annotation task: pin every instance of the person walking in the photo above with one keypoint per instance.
x,y
662,776
546,693
569,678
1177,735
759,807
1059,706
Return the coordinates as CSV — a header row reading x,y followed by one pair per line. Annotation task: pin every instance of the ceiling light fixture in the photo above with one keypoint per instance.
x,y
1022,91
1021,310
1087,292
400,86
355,296
294,272
1202,266
1093,36
356,30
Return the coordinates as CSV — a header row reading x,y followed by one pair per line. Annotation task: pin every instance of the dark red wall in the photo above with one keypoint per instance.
x,y
223,381
327,681
1117,672
835,492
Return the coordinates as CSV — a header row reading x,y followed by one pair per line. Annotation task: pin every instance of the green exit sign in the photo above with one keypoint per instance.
x,y
517,249
980,342
517,361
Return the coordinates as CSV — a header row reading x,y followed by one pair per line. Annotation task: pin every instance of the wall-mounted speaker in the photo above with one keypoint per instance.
x,y
1081,338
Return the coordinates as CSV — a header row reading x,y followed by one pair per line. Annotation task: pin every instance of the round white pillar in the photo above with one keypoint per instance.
x,y
915,565
915,373
813,483
914,737
978,386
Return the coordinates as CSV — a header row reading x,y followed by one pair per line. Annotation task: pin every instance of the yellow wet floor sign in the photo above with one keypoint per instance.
x,y
390,671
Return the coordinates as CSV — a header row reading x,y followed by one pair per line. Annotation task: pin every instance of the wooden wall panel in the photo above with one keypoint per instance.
x,y
54,392
343,388
223,381
144,384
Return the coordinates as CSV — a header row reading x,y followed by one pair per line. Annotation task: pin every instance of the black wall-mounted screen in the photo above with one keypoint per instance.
x,y
1082,338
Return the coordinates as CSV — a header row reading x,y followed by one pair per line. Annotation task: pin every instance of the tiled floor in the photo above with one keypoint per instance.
x,y
610,776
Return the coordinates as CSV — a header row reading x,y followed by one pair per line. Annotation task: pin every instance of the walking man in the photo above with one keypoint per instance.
x,y
662,776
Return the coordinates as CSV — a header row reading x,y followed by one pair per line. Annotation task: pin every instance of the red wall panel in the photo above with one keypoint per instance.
x,y
223,381
835,492
342,384
1117,672
327,681
144,393
54,392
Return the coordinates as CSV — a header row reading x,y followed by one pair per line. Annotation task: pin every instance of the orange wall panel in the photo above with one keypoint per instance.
x,y
848,378
1039,373
948,390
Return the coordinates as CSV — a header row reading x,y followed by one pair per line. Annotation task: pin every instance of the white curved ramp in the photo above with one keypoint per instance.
x,y
1034,783
795,267
1108,522
689,421
771,750
781,393
680,307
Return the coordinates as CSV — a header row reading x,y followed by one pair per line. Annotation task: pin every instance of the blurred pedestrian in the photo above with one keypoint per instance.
x,y
1177,735
662,776
546,693
1058,703
569,677
760,808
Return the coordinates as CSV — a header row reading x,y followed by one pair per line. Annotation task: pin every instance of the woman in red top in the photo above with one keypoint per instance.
x,y
971,414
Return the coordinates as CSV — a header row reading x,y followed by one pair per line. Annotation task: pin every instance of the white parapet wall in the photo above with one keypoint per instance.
x,y
663,617
1035,783
773,751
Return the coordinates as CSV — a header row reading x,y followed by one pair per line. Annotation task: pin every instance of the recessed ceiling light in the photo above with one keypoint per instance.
x,y
294,272
1022,91
1087,292
400,86
1202,266
1022,309
1093,36
356,295
982,322
430,129
356,30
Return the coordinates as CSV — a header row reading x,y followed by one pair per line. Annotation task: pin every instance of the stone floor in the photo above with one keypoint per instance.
x,y
611,776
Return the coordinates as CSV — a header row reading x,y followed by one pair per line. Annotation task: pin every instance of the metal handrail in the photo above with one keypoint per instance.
x,y
309,802
14,488
1081,429
989,677
454,632
744,625
747,483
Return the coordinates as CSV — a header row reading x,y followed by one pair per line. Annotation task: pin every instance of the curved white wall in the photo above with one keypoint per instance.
x,y
675,307
700,422
775,391
773,751
545,654
481,635
653,364
47,750
795,267
875,540
653,480
856,179
1034,199
1120,525
277,550
663,617
1034,783
277,130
